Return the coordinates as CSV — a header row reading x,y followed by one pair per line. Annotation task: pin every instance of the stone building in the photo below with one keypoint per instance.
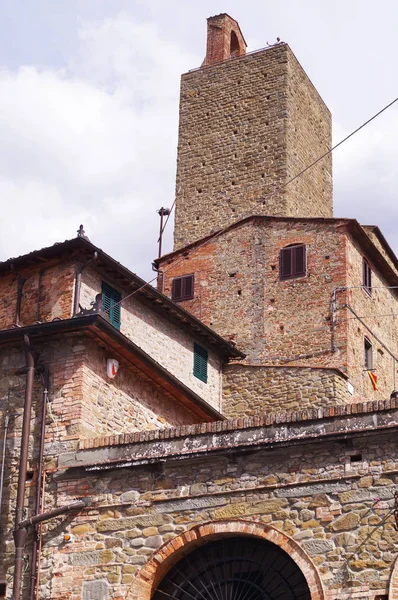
x,y
232,434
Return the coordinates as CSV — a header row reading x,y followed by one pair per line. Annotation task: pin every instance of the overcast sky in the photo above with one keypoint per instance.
x,y
89,110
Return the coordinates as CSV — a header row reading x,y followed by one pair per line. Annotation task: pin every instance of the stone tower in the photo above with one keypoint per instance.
x,y
248,124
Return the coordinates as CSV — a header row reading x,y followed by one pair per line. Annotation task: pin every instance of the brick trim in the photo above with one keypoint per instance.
x,y
393,586
315,414
172,551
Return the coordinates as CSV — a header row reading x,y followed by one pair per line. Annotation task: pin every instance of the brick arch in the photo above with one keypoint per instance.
x,y
172,551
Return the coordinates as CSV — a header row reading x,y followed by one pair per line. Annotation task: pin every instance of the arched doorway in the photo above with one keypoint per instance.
x,y
234,568
149,578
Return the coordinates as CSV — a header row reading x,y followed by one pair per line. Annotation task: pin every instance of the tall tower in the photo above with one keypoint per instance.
x,y
248,124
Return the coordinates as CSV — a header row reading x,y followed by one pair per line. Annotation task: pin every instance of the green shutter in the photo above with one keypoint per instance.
x,y
111,299
200,360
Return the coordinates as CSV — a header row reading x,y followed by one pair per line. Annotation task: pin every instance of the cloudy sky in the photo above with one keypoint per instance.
x,y
89,110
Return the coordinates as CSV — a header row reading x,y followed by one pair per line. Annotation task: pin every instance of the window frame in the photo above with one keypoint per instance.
x,y
183,295
114,309
368,354
200,362
294,272
366,276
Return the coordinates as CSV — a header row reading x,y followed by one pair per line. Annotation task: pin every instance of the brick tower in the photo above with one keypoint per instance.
x,y
248,123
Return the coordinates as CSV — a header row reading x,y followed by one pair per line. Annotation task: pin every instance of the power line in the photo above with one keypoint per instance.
x,y
267,196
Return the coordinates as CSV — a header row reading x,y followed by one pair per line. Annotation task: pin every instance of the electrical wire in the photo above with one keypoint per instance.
x,y
270,195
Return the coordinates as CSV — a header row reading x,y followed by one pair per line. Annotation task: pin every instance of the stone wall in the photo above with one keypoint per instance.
x,y
333,501
163,340
246,126
254,389
130,402
379,313
83,403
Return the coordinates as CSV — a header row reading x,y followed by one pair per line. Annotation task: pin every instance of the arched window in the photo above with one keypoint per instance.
x,y
235,567
293,261
234,48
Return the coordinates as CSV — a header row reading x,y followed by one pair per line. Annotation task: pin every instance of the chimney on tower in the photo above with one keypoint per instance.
x,y
224,40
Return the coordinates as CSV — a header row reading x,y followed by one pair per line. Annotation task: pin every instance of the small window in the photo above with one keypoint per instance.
x,y
3,589
293,261
200,359
366,277
234,47
368,354
111,299
182,288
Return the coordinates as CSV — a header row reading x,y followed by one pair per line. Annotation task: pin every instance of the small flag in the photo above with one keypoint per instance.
x,y
112,367
373,379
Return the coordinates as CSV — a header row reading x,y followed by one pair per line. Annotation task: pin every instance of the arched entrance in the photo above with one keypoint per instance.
x,y
235,568
150,577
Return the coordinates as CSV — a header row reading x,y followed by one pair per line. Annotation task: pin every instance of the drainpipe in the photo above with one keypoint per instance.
x,y
3,458
39,480
78,283
20,534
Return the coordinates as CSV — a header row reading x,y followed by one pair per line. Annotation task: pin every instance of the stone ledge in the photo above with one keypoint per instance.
x,y
238,424
314,426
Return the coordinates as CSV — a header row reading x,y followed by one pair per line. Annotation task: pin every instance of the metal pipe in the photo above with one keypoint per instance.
x,y
78,283
20,534
40,537
162,212
35,543
55,512
3,458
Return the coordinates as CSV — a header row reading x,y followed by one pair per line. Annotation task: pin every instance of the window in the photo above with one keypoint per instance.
x,y
368,354
293,261
111,299
200,358
366,277
182,288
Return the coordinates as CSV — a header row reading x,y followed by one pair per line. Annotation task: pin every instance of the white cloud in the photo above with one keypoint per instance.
x,y
366,177
93,143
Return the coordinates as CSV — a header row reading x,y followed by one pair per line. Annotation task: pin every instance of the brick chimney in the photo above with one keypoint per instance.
x,y
224,40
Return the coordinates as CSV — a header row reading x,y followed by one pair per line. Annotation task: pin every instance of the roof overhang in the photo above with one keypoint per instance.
x,y
159,302
107,336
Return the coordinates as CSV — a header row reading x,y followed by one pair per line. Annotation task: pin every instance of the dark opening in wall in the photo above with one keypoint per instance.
x,y
29,476
356,458
3,589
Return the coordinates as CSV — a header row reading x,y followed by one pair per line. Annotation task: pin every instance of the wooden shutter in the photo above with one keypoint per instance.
x,y
366,276
187,287
182,288
286,263
200,361
111,299
176,292
293,261
298,260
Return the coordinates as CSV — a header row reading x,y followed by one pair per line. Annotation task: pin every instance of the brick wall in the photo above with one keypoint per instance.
x,y
164,341
239,293
246,126
47,294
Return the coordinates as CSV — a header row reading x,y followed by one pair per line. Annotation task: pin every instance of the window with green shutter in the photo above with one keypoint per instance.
x,y
111,304
200,359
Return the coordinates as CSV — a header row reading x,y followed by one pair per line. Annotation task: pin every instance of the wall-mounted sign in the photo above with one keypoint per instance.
x,y
112,367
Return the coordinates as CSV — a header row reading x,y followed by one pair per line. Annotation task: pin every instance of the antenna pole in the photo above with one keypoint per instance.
x,y
163,212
